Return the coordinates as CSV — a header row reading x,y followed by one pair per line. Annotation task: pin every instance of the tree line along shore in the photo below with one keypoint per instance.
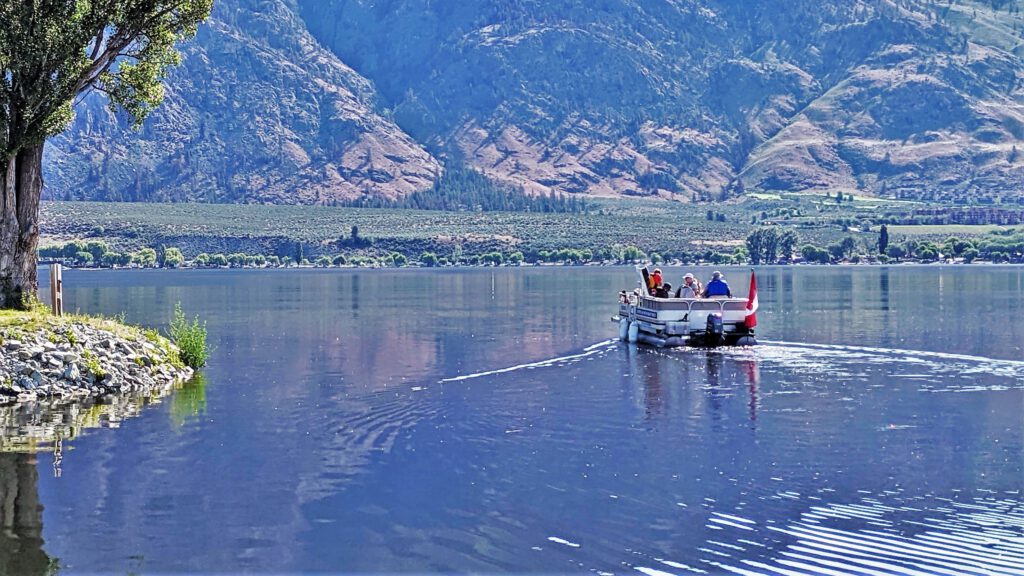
x,y
765,245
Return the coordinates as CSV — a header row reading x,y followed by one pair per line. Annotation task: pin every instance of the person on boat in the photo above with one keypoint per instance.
x,y
717,287
650,282
690,289
657,278
665,291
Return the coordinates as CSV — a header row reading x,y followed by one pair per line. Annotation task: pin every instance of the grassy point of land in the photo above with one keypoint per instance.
x,y
39,320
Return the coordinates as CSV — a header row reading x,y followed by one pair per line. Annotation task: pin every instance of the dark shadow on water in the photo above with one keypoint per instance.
x,y
21,541
654,394
716,393
883,290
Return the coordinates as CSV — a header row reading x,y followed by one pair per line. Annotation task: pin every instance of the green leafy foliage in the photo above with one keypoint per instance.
x,y
173,258
189,337
53,51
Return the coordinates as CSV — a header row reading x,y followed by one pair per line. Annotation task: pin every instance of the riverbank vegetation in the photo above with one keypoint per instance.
x,y
768,245
794,228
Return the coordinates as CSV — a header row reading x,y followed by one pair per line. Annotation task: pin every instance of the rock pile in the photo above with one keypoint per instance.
x,y
57,359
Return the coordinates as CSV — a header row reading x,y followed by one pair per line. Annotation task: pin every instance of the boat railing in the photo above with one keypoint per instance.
x,y
694,304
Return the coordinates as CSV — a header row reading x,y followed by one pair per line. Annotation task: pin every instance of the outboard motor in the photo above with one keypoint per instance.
x,y
714,333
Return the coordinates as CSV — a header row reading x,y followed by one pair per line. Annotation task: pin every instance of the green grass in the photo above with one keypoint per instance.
x,y
666,227
55,329
945,230
92,364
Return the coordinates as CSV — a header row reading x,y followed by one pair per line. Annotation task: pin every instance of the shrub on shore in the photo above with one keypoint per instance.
x,y
190,338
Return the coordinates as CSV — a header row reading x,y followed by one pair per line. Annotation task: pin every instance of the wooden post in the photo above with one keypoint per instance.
x,y
56,289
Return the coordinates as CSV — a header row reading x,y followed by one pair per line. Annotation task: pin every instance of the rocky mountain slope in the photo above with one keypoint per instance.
x,y
310,101
258,112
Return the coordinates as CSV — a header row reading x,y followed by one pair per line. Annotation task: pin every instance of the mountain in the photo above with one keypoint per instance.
x,y
257,112
312,101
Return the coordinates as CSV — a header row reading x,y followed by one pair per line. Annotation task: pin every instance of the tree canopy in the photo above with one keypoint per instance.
x,y
54,52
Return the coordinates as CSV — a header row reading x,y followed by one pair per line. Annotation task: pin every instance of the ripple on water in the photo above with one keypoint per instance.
x,y
981,536
646,416
360,429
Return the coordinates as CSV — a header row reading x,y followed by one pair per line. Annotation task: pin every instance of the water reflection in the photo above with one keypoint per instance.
x,y
45,425
654,401
730,376
713,386
883,290
753,374
481,420
189,402
666,376
21,539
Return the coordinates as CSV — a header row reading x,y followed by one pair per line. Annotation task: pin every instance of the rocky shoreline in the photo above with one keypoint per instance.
x,y
44,357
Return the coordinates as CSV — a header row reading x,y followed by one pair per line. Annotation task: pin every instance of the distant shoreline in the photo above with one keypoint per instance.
x,y
803,227
545,265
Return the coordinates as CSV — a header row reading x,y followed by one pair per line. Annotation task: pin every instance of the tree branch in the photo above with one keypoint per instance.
x,y
99,37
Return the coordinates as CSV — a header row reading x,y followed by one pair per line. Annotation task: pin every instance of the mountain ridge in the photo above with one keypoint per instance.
x,y
684,99
271,118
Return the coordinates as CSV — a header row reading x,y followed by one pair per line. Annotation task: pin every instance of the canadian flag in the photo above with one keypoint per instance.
x,y
751,319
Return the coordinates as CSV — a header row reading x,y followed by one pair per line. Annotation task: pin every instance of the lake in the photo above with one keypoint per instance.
x,y
485,421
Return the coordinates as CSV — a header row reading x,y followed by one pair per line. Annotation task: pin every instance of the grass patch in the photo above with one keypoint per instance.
x,y
946,229
92,364
189,337
57,330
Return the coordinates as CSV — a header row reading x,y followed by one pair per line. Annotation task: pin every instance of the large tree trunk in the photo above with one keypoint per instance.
x,y
19,226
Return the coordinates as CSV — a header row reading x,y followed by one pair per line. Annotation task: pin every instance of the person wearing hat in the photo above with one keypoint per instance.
x,y
657,278
690,287
717,286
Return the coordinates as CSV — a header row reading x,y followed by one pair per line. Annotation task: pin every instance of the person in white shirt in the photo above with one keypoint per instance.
x,y
690,288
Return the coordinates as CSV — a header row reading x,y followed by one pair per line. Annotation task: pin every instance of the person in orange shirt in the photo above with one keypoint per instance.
x,y
656,279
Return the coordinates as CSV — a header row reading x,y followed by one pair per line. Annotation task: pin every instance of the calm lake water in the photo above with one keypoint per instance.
x,y
484,420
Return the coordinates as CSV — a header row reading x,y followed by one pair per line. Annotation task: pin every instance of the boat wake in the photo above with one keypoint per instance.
x,y
813,357
934,371
897,351
592,350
